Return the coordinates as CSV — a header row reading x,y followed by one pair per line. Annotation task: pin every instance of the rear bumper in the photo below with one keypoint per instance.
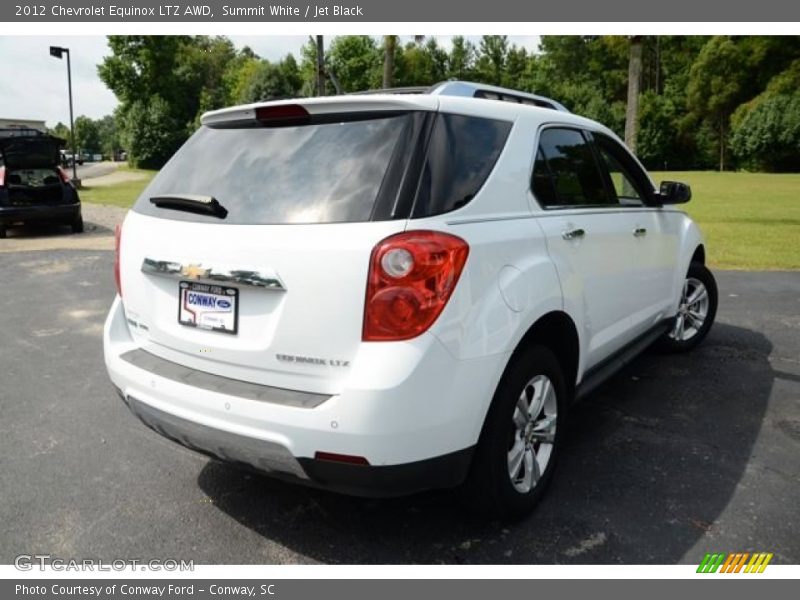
x,y
64,213
416,433
275,460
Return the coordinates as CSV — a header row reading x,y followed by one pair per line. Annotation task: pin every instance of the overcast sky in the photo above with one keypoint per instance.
x,y
33,84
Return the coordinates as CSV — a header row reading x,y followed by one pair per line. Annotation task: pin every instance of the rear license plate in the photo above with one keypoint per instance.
x,y
208,306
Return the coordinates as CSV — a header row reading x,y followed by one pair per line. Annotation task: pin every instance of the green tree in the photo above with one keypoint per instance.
x,y
60,131
356,61
152,134
87,135
142,66
200,70
269,81
765,132
238,76
715,87
767,135
109,136
188,75
516,65
461,61
492,57
291,73
421,63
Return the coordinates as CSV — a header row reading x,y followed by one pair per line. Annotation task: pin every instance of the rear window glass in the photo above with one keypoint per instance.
x,y
461,154
316,173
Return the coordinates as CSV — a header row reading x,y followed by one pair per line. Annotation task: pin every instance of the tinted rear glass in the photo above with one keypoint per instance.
x,y
461,154
317,173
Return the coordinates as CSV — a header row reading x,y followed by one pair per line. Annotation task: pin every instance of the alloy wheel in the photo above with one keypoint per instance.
x,y
533,433
692,311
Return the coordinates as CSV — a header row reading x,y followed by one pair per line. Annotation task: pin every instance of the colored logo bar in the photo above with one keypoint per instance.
x,y
737,562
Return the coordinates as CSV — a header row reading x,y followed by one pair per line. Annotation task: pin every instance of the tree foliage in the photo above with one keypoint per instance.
x,y
87,135
151,132
356,62
698,94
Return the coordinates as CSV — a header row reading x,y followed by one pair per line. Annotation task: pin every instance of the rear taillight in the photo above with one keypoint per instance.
x,y
411,277
62,174
2,176
117,246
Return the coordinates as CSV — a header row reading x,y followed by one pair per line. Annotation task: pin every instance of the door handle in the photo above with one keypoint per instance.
x,y
640,231
572,234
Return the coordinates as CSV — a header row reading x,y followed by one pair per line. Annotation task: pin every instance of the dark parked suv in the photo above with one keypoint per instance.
x,y
33,187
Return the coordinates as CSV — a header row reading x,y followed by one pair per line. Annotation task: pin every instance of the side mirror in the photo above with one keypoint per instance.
x,y
674,192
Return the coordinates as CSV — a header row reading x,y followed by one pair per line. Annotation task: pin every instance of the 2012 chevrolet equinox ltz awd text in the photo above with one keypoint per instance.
x,y
384,293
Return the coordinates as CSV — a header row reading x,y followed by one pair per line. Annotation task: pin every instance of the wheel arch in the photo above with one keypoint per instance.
x,y
699,254
556,331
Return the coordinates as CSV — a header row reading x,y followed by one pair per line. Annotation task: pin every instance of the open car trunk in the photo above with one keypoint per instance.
x,y
31,169
27,187
247,255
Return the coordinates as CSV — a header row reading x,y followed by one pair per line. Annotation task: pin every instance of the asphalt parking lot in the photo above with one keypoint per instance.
x,y
675,456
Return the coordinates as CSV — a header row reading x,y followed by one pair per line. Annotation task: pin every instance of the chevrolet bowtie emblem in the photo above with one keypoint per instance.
x,y
193,271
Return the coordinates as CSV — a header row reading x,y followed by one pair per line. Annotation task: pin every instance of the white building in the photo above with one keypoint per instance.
x,y
6,123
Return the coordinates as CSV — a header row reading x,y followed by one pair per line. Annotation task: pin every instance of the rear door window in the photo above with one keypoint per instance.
x,y
327,172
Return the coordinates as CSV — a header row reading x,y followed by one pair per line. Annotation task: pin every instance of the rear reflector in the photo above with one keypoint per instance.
x,y
341,458
2,176
282,114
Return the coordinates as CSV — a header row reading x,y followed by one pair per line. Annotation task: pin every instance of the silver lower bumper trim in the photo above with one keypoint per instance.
x,y
222,385
258,454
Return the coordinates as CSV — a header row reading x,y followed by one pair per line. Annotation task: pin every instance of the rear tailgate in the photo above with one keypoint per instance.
x,y
301,337
273,292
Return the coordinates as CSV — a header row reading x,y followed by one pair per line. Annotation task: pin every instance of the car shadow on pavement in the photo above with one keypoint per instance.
x,y
49,230
650,461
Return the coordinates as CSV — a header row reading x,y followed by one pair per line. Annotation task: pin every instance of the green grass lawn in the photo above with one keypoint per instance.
x,y
120,194
750,220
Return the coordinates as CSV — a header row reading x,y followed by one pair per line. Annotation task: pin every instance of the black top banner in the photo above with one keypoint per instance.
x,y
405,11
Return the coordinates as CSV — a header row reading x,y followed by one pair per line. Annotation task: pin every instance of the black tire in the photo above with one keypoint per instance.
x,y
669,342
3,234
489,489
77,225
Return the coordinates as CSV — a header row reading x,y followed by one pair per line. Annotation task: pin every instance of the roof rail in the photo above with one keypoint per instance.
x,y
468,89
413,89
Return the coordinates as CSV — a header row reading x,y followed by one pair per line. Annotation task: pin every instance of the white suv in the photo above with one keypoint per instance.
x,y
384,293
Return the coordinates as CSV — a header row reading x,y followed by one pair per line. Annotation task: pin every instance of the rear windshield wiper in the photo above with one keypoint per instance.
x,y
201,205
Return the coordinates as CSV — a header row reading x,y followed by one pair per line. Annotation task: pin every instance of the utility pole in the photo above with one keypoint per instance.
x,y
58,52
